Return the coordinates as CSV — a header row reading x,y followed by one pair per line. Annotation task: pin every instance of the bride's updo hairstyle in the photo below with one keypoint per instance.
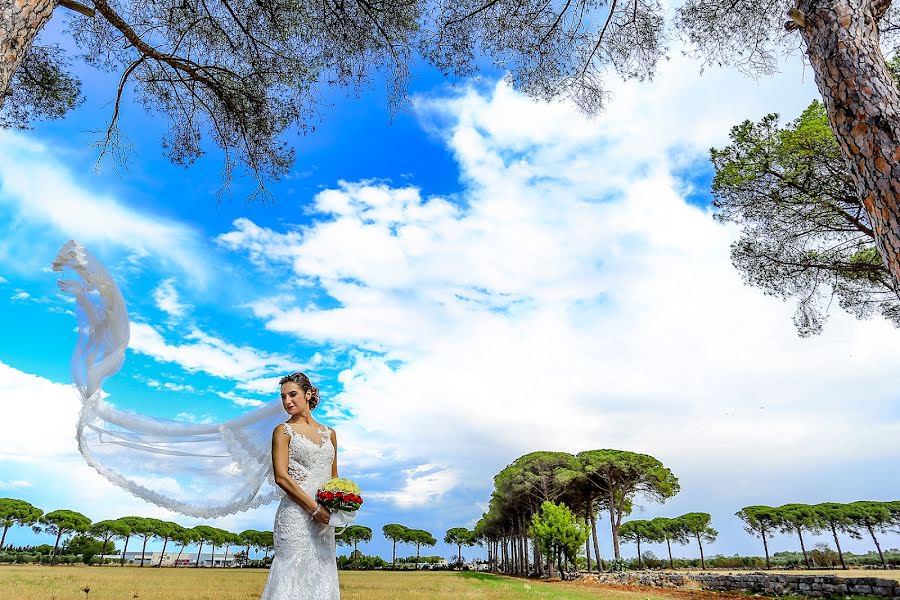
x,y
303,381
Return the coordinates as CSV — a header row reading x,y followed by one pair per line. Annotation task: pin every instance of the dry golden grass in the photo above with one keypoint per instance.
x,y
27,582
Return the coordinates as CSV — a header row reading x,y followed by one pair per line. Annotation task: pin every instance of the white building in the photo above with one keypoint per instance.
x,y
170,559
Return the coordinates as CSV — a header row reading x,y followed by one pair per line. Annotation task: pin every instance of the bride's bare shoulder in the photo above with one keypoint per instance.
x,y
281,431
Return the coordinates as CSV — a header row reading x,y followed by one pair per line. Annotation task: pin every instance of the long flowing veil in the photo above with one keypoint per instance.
x,y
201,470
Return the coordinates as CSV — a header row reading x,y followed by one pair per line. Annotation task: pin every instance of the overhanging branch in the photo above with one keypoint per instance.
x,y
77,7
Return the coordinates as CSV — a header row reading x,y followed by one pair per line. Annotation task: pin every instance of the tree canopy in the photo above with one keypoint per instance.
x,y
63,522
16,512
804,233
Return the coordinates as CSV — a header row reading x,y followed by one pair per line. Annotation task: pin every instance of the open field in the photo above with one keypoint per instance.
x,y
26,582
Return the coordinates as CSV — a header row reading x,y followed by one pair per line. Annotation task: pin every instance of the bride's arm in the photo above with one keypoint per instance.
x,y
280,441
334,462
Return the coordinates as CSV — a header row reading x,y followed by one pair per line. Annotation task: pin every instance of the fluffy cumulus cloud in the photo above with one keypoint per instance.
x,y
571,298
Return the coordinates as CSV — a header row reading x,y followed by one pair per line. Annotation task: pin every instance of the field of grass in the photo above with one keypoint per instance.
x,y
31,582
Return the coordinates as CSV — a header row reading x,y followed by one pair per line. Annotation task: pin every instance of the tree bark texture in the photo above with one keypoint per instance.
x,y
863,105
596,544
21,21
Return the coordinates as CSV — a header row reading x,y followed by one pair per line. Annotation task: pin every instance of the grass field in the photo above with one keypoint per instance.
x,y
27,582
30,582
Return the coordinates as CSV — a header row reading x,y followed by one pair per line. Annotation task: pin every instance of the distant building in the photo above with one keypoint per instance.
x,y
169,559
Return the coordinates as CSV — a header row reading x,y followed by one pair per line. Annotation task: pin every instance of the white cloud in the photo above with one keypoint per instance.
x,y
166,297
3,280
32,183
15,484
208,354
424,484
20,296
192,418
239,400
571,299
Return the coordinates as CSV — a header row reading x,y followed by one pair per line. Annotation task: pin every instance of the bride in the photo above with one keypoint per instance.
x,y
304,457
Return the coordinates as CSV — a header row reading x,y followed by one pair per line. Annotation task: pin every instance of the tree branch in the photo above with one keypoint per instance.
x,y
77,7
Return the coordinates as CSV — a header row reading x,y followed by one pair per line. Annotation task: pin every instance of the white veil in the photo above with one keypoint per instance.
x,y
194,469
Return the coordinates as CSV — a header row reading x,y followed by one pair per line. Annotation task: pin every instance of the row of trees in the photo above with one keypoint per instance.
x,y
855,519
15,512
61,523
695,526
587,483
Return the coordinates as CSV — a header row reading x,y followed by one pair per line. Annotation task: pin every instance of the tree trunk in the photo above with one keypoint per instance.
x,y
199,550
766,547
538,560
877,546
702,558
102,548
596,543
394,556
124,548
525,569
224,560
640,563
612,525
56,545
514,546
3,539
803,548
587,553
163,553
178,558
144,549
838,544
669,546
863,105
19,27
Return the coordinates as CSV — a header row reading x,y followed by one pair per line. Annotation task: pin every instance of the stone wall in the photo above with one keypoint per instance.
x,y
762,583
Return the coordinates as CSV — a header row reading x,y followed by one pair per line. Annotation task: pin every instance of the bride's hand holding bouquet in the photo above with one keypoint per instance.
x,y
342,499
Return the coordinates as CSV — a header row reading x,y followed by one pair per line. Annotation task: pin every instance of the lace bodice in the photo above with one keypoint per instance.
x,y
309,462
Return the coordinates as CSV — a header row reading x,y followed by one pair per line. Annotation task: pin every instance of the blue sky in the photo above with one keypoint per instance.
x,y
482,277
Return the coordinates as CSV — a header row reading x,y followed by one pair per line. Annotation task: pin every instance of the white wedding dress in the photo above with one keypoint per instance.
x,y
304,566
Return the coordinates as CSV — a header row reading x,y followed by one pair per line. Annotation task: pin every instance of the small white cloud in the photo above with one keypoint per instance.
x,y
20,296
193,418
16,484
239,400
3,279
167,300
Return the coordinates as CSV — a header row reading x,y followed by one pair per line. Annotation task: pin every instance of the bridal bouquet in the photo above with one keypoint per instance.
x,y
341,497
